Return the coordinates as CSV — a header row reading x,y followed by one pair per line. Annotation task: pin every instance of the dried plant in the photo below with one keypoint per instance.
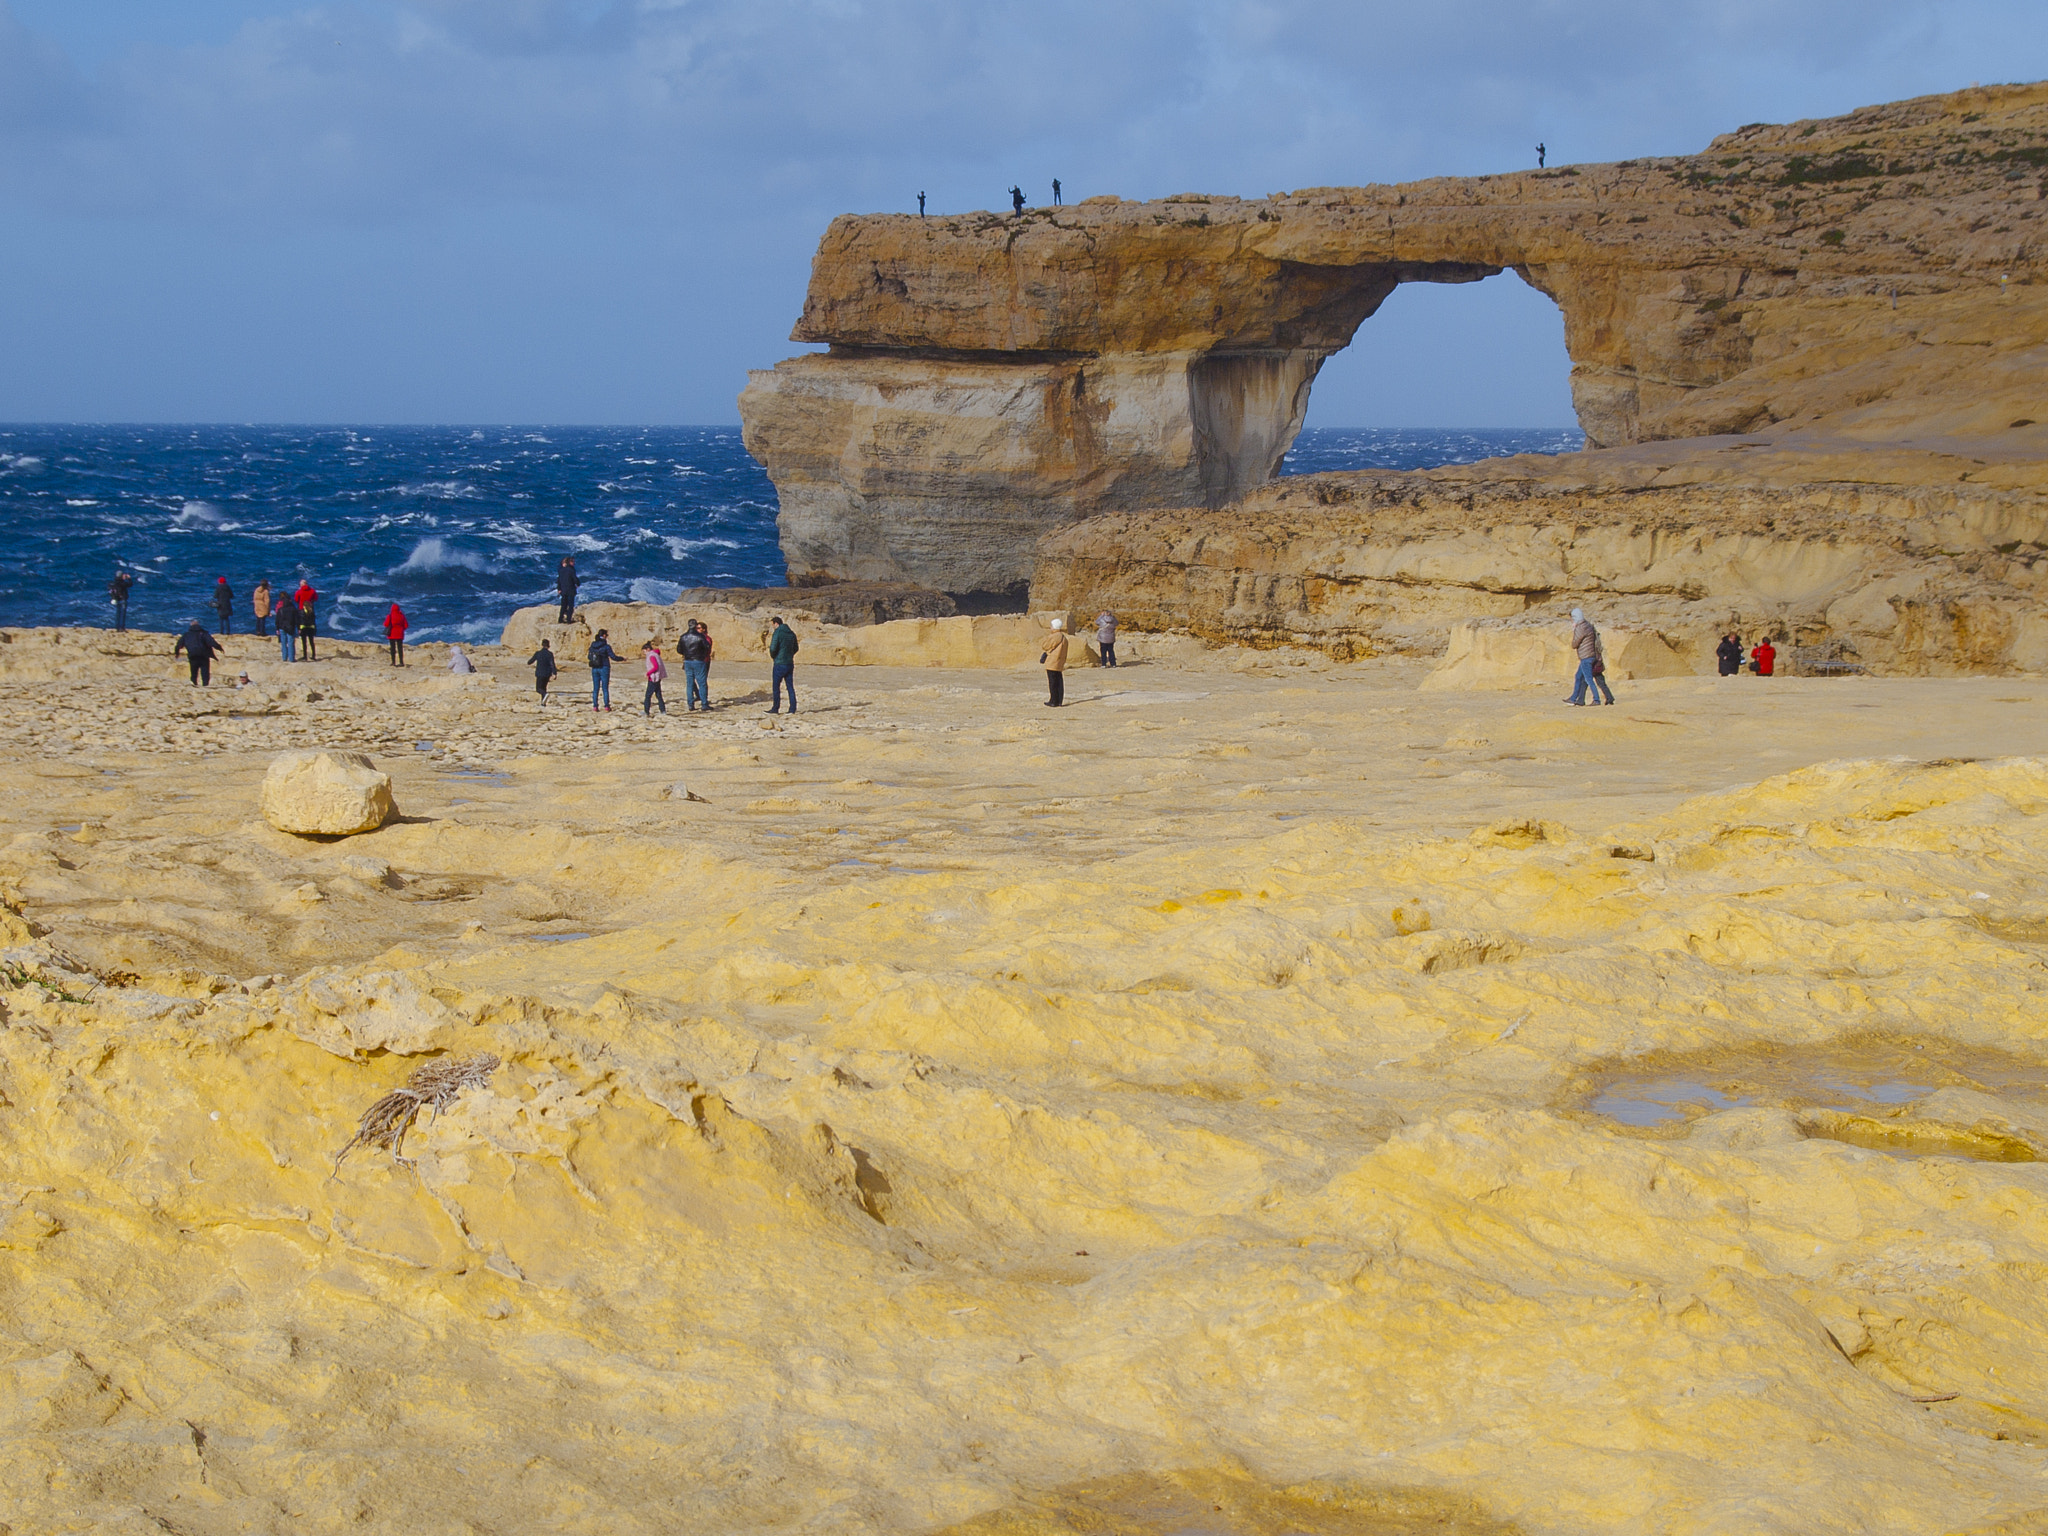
x,y
385,1122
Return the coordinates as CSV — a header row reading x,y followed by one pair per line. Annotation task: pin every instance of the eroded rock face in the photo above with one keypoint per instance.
x,y
993,378
332,794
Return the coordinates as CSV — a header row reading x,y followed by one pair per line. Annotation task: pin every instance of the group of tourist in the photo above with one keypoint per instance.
x,y
294,614
696,649
1763,656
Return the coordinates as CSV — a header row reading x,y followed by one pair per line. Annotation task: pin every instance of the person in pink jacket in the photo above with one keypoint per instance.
x,y
657,674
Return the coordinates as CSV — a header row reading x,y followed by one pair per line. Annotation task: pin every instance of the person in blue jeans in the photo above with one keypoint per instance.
x,y
287,614
1588,683
601,658
782,655
695,647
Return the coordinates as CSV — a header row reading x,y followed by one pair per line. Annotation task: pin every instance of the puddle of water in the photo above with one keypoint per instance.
x,y
1659,1101
423,746
556,938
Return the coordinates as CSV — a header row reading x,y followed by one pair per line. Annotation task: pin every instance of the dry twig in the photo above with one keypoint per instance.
x,y
385,1122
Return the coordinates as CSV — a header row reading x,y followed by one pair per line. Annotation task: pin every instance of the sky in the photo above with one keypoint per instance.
x,y
603,211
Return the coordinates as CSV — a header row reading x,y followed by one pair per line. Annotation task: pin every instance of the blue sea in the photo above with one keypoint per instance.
x,y
459,525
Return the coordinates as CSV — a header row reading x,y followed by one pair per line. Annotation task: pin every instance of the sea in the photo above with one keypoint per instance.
x,y
458,525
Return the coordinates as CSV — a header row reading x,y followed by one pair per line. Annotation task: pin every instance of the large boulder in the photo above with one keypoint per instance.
x,y
329,794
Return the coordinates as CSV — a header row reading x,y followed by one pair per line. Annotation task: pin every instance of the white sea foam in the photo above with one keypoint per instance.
x,y
20,461
71,501
584,544
445,490
650,590
682,549
203,517
434,555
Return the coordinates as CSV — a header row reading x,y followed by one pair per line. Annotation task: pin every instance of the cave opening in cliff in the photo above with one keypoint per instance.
x,y
1443,373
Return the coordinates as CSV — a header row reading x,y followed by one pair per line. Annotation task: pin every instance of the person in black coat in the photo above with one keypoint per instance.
x,y
118,589
543,663
565,586
224,604
1729,654
200,648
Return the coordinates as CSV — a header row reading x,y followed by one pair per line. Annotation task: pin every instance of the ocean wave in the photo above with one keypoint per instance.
x,y
73,501
431,555
680,548
444,490
584,544
648,589
203,516
20,461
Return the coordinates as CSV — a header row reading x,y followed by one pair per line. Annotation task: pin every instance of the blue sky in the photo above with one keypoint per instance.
x,y
604,210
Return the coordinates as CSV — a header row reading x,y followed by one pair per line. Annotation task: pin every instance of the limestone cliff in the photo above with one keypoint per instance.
x,y
991,378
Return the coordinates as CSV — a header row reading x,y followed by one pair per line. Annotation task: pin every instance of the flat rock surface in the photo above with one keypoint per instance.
x,y
1261,1096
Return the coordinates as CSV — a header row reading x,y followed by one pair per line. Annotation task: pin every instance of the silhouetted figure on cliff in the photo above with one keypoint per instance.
x,y
1540,152
920,214
1055,191
1016,201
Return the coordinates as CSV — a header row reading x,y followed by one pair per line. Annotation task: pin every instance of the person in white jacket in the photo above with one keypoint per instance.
x,y
657,674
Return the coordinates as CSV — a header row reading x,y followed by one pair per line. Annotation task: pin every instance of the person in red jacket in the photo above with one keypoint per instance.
x,y
394,631
1764,657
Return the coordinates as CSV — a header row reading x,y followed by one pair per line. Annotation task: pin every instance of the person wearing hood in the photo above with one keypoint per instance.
x,y
1105,638
287,614
457,662
1729,654
394,631
200,648
224,604
306,597
1054,660
1591,676
259,601
543,663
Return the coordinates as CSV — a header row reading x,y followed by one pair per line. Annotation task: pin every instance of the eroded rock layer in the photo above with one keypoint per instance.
x,y
991,378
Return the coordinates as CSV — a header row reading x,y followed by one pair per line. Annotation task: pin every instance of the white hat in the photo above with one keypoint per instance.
x,y
1578,613
1059,623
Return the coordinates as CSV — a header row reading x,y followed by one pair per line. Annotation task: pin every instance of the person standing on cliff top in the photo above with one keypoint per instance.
x,y
1590,678
920,205
287,614
1055,191
1054,660
224,604
118,589
1016,201
259,603
395,626
565,588
1539,157
782,649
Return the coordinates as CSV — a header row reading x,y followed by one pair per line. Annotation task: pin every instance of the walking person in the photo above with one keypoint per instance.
x,y
1591,676
118,589
565,588
287,613
306,598
259,600
1729,654
200,648
601,656
1054,660
1105,638
710,655
657,674
1763,660
543,663
782,649
695,649
224,604
395,627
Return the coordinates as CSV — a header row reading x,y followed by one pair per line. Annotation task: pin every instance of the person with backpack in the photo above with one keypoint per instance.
x,y
118,589
1763,660
395,626
200,648
224,604
543,663
287,613
657,674
601,656
695,649
1592,674
782,648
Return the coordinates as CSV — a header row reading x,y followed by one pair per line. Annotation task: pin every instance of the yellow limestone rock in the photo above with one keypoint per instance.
x,y
324,793
1498,653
